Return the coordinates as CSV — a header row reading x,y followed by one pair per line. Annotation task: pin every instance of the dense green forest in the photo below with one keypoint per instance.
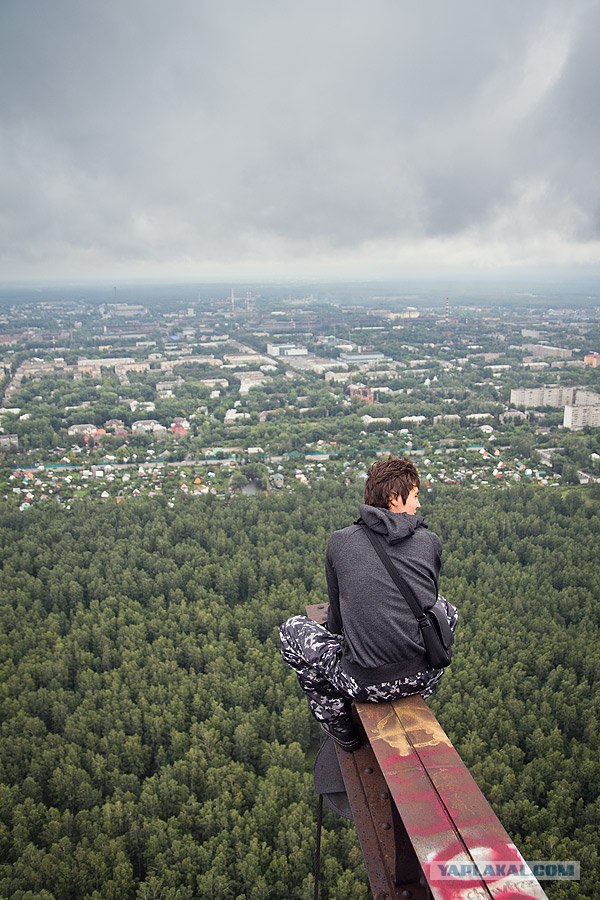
x,y
153,745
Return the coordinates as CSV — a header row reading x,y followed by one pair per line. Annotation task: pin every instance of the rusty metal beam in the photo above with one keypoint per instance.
x,y
416,808
392,866
447,817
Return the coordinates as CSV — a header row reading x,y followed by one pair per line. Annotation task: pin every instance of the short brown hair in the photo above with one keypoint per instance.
x,y
390,478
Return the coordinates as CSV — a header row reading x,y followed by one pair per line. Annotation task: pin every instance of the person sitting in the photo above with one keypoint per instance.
x,y
371,648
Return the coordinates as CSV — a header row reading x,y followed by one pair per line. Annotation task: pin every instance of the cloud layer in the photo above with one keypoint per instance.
x,y
342,138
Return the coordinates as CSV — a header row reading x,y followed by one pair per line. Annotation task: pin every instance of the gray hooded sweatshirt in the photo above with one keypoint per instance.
x,y
382,641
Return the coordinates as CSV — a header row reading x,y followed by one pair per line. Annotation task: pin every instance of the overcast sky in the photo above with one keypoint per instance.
x,y
295,138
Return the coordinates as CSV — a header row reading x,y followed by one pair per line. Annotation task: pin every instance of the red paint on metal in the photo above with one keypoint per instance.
x,y
387,850
447,817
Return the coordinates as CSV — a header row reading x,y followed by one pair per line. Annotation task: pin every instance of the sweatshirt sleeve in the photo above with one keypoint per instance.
x,y
334,618
437,546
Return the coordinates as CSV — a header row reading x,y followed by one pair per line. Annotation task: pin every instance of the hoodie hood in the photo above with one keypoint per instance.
x,y
395,527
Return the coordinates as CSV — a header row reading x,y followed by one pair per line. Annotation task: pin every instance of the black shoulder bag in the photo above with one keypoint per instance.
x,y
433,623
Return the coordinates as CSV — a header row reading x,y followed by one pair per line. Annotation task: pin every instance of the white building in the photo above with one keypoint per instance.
x,y
233,417
286,350
86,428
249,380
547,395
587,398
415,420
370,420
577,417
148,426
543,351
359,358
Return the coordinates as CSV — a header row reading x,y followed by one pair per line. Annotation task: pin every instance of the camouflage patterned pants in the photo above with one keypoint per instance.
x,y
315,654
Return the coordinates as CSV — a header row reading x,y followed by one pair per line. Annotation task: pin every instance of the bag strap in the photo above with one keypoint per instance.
x,y
400,582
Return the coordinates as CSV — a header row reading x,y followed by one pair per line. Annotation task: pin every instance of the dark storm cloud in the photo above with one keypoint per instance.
x,y
563,134
136,133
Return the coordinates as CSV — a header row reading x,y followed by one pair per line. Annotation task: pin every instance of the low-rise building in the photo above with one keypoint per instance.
x,y
94,366
544,351
149,426
167,365
337,377
9,441
249,380
358,359
246,359
114,425
85,428
286,350
233,417
179,426
450,419
363,393
512,415
373,420
415,420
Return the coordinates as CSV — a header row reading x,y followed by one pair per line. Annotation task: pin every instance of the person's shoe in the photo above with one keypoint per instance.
x,y
344,732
